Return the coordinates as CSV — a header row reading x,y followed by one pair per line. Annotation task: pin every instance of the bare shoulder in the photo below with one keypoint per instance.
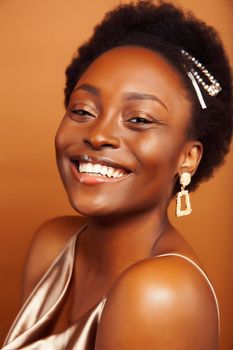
x,y
159,303
47,243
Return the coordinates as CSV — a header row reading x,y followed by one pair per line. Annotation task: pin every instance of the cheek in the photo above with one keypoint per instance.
x,y
157,150
65,136
60,137
158,154
62,141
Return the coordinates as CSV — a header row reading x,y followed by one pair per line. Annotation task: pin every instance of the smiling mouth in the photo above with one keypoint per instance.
x,y
96,169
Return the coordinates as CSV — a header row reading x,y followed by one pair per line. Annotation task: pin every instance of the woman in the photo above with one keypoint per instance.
x,y
148,115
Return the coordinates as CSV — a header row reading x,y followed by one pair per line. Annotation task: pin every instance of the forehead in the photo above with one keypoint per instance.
x,y
137,69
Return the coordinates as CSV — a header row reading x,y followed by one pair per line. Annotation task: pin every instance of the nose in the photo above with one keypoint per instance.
x,y
102,135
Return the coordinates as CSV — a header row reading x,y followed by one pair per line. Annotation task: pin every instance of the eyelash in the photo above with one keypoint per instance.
x,y
82,115
140,120
81,112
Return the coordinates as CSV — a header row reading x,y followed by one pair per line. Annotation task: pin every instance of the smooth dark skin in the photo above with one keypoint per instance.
x,y
152,303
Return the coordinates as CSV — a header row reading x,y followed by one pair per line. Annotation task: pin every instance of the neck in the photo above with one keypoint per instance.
x,y
112,246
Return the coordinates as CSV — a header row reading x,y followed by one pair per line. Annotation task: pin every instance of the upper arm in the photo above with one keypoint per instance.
x,y
48,241
164,305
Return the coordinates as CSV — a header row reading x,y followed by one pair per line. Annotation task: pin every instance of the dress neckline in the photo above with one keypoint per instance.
x,y
76,247
45,304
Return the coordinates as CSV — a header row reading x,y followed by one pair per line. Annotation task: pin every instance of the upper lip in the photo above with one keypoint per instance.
x,y
100,160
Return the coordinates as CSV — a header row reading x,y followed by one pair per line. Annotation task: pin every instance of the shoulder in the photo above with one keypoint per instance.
x,y
48,241
159,303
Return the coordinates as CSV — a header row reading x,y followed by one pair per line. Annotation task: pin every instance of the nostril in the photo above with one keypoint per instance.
x,y
101,136
99,144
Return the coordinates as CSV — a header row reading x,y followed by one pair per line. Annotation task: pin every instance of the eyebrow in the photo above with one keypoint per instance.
x,y
127,96
89,88
144,96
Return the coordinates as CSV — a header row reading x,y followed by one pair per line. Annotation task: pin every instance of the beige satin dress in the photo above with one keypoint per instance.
x,y
32,329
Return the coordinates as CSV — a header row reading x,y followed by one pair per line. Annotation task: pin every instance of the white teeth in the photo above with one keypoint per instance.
x,y
96,168
99,169
110,172
103,170
88,167
116,174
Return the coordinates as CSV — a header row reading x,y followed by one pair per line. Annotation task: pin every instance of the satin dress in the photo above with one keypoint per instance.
x,y
32,329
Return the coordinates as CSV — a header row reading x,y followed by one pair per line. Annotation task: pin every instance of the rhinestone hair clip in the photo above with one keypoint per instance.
x,y
197,78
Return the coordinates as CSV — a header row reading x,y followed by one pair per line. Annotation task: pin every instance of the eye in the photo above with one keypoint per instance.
x,y
139,120
82,113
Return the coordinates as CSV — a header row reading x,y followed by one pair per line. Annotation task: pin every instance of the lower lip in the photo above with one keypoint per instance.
x,y
91,179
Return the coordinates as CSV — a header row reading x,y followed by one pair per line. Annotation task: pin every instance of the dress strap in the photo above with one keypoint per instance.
x,y
45,300
203,274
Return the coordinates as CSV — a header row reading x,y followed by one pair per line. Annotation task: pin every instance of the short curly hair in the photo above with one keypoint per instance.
x,y
166,29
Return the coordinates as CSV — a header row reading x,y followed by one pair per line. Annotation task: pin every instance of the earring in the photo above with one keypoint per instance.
x,y
185,180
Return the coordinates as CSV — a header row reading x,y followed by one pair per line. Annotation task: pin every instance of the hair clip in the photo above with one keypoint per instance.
x,y
212,87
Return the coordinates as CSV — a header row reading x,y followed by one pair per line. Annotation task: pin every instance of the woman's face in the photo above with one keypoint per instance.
x,y
128,116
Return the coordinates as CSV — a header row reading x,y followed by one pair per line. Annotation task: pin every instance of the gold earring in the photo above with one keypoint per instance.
x,y
185,180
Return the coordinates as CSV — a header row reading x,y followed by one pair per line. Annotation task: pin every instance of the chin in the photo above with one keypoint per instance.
x,y
96,207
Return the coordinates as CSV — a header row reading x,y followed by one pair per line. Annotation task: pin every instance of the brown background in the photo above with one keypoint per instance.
x,y
37,40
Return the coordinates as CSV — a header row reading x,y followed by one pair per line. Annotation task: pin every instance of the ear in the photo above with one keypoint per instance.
x,y
190,157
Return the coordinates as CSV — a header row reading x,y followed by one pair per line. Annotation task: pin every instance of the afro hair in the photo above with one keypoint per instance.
x,y
166,29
